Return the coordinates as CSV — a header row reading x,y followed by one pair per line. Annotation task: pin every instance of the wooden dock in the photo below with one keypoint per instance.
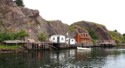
x,y
57,46
105,43
47,46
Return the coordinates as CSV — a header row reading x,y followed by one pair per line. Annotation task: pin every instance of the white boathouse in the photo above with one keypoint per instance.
x,y
70,41
57,39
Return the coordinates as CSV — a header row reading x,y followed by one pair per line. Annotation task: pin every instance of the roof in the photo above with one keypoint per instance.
x,y
83,35
57,35
14,41
69,38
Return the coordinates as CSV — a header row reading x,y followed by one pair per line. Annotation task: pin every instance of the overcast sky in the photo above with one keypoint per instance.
x,y
110,13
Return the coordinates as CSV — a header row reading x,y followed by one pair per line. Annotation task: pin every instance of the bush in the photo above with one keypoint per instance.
x,y
124,36
116,36
3,36
92,34
19,3
42,37
71,29
21,34
12,36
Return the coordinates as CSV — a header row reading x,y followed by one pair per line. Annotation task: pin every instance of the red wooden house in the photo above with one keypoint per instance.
x,y
83,38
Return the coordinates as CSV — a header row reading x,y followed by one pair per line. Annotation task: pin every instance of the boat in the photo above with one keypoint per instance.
x,y
83,48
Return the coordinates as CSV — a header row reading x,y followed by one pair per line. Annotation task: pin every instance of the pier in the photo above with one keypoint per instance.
x,y
47,46
38,45
105,43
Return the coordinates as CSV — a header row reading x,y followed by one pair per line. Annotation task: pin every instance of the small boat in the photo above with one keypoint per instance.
x,y
83,48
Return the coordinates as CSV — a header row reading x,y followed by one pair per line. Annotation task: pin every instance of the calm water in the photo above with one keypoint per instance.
x,y
97,58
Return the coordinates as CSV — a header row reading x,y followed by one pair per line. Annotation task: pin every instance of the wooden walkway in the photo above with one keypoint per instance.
x,y
47,46
38,46
105,43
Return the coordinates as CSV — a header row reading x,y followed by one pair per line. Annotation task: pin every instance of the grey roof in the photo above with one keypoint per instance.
x,y
14,41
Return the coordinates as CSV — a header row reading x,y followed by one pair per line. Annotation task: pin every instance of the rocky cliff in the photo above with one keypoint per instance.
x,y
14,18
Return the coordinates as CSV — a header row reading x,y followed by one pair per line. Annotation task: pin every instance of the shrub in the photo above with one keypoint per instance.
x,y
124,36
3,36
21,34
42,37
92,34
116,36
12,36
19,3
71,29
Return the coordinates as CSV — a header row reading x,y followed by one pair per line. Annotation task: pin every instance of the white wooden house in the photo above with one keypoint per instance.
x,y
70,41
57,39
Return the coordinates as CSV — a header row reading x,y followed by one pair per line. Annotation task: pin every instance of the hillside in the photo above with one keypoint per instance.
x,y
14,19
117,37
97,31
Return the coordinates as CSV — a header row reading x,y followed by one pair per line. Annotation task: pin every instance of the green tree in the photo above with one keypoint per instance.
x,y
3,36
92,34
42,37
115,31
21,34
19,3
124,36
12,36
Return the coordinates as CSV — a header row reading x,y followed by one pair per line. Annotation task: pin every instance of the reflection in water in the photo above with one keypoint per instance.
x,y
89,59
97,57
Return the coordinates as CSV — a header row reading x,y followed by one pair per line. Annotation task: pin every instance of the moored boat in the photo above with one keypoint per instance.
x,y
83,48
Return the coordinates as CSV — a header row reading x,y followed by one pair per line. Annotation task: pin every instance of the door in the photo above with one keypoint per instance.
x,y
58,39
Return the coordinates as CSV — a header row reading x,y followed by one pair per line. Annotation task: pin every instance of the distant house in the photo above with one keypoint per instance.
x,y
57,39
83,38
70,41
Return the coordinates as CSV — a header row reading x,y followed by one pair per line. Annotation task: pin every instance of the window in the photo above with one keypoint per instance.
x,y
86,35
61,38
53,38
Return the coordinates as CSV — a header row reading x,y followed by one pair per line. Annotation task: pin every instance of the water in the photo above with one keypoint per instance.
x,y
96,58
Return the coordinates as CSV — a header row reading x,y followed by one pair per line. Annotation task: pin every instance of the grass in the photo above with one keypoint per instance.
x,y
8,47
117,37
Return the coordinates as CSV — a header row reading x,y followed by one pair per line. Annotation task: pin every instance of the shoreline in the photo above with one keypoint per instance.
x,y
11,49
20,49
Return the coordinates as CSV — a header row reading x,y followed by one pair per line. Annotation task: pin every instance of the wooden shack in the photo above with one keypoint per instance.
x,y
83,38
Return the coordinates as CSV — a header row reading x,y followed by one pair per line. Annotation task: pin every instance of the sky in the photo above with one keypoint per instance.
x,y
110,13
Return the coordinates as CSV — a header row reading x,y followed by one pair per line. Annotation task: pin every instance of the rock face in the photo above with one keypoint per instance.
x,y
99,30
14,18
